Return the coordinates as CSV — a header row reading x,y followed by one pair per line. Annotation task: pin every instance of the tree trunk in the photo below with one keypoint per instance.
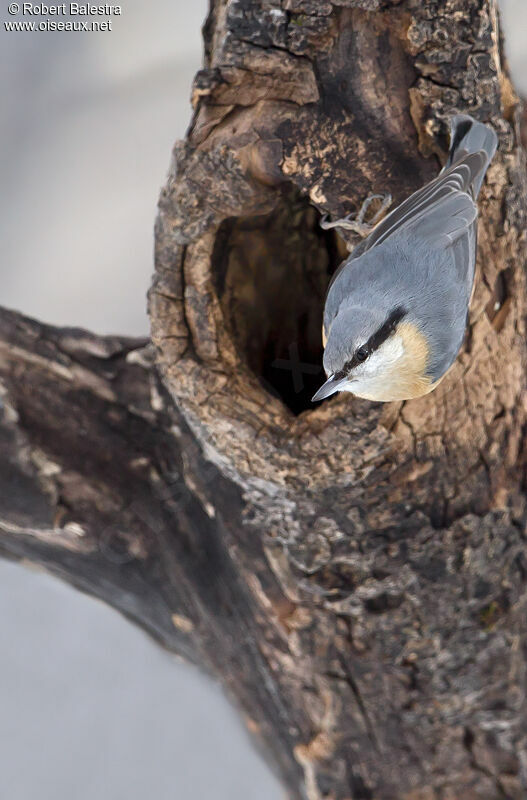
x,y
354,573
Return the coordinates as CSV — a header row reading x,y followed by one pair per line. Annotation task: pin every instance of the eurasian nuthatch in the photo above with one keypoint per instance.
x,y
396,309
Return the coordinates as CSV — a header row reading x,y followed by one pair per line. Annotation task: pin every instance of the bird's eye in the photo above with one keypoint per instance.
x,y
362,354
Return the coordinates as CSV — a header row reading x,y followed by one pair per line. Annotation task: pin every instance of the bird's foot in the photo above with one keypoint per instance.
x,y
359,224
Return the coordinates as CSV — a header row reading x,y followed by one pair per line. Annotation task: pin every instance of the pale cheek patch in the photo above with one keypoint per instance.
x,y
382,360
397,370
379,375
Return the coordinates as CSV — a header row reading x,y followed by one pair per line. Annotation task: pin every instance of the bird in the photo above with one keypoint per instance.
x,y
396,309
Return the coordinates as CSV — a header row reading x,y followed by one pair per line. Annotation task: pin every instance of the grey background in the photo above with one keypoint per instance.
x,y
90,709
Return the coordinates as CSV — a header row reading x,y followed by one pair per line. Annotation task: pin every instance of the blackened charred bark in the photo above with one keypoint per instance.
x,y
355,574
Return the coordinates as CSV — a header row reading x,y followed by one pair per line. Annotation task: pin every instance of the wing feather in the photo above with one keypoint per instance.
x,y
453,217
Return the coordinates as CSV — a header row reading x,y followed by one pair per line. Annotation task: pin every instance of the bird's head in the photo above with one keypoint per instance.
x,y
376,355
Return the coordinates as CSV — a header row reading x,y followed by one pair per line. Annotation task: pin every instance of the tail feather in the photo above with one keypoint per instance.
x,y
467,136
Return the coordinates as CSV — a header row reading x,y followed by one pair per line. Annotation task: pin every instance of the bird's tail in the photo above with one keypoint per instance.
x,y
467,136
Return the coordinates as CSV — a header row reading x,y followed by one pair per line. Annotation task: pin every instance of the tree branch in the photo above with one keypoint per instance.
x,y
79,439
103,485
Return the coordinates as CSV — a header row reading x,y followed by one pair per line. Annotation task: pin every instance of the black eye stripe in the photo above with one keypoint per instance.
x,y
386,329
374,342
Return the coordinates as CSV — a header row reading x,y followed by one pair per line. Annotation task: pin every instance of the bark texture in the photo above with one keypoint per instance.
x,y
355,574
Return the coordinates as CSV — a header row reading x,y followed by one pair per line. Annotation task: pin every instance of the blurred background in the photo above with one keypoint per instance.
x,y
90,709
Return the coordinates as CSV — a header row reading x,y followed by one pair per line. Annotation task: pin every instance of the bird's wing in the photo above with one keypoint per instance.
x,y
449,195
450,218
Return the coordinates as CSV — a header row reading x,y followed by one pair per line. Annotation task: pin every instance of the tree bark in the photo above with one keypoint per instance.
x,y
354,573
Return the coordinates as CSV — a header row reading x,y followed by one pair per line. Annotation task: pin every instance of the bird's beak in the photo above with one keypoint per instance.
x,y
331,386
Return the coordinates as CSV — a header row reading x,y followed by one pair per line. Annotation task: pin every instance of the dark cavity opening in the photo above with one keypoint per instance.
x,y
271,275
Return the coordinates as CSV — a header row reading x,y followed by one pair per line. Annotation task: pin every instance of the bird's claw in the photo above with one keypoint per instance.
x,y
358,224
